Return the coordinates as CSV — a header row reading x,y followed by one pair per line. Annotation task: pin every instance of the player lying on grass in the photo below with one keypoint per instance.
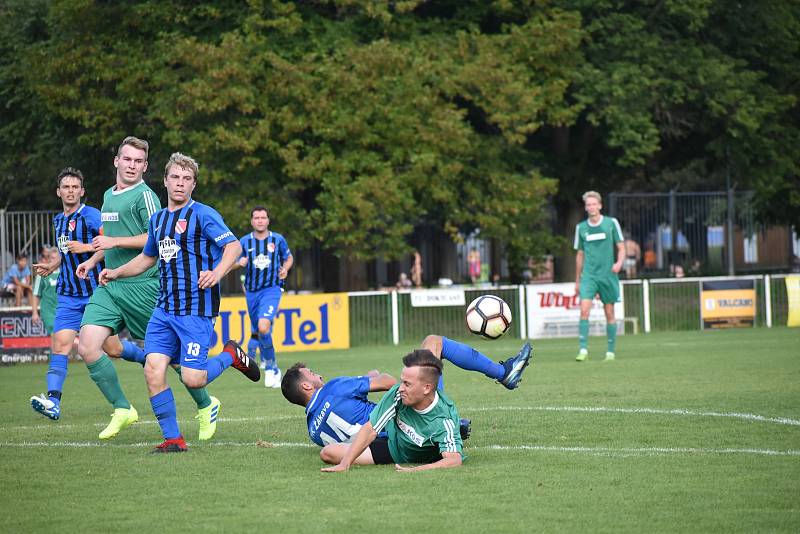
x,y
418,418
336,410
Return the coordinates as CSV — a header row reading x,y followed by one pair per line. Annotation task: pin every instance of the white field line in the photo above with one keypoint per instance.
x,y
58,426
602,451
652,411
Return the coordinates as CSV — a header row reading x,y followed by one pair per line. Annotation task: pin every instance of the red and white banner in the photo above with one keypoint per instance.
x,y
555,309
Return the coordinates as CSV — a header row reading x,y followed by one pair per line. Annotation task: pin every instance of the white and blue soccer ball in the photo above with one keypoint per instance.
x,y
488,316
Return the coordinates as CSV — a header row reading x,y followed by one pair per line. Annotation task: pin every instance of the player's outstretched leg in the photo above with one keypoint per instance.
x,y
233,355
514,366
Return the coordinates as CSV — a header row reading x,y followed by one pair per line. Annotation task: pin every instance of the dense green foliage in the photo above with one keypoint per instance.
x,y
696,432
359,120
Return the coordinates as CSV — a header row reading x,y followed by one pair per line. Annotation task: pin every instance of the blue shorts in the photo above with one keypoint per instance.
x,y
263,304
184,338
69,312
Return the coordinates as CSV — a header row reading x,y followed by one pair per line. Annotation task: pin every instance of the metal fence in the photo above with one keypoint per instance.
x,y
651,305
24,232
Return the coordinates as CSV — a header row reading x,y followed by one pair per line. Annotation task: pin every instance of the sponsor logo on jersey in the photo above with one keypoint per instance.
x,y
270,247
62,244
409,431
261,262
223,236
168,249
109,216
596,237
71,225
180,226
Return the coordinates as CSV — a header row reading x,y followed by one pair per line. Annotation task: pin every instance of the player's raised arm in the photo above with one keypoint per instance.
x,y
380,381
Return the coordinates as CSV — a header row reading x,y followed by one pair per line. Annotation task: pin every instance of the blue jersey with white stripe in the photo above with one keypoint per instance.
x,y
82,225
264,259
338,409
187,241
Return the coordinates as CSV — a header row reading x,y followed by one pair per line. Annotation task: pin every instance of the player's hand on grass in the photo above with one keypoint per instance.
x,y
335,469
103,242
207,279
400,468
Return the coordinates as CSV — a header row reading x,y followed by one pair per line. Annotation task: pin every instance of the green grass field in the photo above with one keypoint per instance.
x,y
685,432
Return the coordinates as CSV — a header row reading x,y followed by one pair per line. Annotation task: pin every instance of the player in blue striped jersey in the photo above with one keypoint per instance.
x,y
266,259
74,230
335,410
194,249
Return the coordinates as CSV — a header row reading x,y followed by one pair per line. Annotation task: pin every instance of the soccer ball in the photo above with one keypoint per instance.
x,y
488,316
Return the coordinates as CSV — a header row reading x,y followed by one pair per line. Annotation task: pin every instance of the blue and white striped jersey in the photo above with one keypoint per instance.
x,y
82,225
187,241
264,260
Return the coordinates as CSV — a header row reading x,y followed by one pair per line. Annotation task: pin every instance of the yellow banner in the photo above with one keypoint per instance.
x,y
718,304
303,322
793,296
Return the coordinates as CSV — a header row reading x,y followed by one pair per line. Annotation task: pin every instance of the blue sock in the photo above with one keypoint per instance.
x,y
131,352
252,345
164,407
267,350
215,366
56,375
470,359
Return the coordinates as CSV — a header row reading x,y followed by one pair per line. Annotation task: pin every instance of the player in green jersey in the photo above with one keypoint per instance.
x,y
420,421
44,292
128,303
600,254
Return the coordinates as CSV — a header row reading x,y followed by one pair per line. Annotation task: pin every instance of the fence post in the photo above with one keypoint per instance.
x,y
395,320
523,314
646,305
768,299
3,247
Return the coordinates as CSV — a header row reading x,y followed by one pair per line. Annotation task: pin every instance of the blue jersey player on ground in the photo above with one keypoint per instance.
x,y
194,249
266,259
339,408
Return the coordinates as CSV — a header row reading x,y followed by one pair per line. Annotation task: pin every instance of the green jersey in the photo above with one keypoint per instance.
x,y
44,287
417,436
127,213
599,245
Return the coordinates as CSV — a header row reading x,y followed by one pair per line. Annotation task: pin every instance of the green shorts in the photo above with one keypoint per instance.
x,y
123,305
606,286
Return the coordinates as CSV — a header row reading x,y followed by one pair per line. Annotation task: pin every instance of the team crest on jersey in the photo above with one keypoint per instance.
x,y
261,262
180,226
71,225
168,249
62,244
270,247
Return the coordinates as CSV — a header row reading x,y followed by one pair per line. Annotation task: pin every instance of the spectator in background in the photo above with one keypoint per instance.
x,y
649,256
633,254
18,279
403,281
45,298
474,265
416,269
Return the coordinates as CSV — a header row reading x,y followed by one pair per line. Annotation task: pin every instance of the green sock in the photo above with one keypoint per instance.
x,y
583,334
200,395
611,332
105,376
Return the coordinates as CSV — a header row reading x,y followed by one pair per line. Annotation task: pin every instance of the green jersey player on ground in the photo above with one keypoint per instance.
x,y
600,253
421,424
128,303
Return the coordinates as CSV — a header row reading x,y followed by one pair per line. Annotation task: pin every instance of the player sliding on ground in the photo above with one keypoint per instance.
x,y
194,249
420,421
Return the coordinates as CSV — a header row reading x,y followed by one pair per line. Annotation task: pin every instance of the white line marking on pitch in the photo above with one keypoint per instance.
x,y
606,451
58,426
654,411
